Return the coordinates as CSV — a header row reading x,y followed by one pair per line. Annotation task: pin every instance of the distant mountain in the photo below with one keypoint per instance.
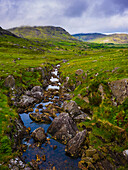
x,y
42,32
88,36
113,38
4,32
103,38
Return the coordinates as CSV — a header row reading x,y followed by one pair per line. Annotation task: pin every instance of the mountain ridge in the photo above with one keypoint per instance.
x,y
41,32
116,38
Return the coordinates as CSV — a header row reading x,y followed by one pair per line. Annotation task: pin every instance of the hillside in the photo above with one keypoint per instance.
x,y
102,38
46,32
88,36
4,32
114,38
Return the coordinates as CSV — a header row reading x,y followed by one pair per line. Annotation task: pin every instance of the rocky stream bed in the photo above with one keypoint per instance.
x,y
53,140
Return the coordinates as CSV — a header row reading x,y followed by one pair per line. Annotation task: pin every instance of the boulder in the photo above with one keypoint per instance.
x,y
38,95
79,72
37,117
63,128
26,101
9,82
72,108
119,89
39,135
75,144
37,89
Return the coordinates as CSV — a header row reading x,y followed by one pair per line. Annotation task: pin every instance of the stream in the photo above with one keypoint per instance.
x,y
53,151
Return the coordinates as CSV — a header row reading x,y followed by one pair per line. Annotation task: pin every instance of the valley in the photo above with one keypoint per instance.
x,y
87,95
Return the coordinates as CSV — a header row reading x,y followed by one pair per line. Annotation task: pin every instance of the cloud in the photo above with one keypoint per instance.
x,y
76,8
75,16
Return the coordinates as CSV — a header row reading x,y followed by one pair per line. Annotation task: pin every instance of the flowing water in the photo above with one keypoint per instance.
x,y
53,150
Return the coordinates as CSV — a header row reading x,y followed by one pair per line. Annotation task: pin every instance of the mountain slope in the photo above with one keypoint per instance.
x,y
88,36
102,38
39,32
114,38
4,32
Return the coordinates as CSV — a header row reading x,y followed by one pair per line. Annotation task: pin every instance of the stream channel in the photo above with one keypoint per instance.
x,y
52,149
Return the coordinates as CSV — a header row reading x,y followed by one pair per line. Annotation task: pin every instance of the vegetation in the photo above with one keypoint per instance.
x,y
103,38
101,63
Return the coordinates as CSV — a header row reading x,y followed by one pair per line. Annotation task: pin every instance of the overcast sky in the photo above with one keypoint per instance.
x,y
75,16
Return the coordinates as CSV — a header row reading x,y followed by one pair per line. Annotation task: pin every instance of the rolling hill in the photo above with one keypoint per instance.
x,y
88,36
103,38
42,32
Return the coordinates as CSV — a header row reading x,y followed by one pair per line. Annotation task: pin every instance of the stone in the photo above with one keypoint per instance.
x,y
38,95
37,117
71,108
79,72
119,89
125,153
39,135
9,82
26,101
63,128
75,144
80,118
101,90
37,89
86,99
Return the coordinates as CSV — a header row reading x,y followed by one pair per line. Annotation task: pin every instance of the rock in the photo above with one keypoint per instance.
x,y
71,108
38,95
37,89
9,82
86,99
39,134
101,90
28,93
125,153
37,117
63,128
119,89
79,72
81,118
26,101
75,144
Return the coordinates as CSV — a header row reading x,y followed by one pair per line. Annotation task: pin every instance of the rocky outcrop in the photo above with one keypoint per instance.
x,y
9,82
74,146
63,128
17,132
26,101
119,89
39,135
71,108
36,94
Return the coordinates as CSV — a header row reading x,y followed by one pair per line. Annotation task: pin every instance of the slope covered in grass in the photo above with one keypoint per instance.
x,y
46,33
103,38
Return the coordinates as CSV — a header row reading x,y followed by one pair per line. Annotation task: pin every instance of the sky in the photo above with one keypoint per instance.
x,y
76,16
